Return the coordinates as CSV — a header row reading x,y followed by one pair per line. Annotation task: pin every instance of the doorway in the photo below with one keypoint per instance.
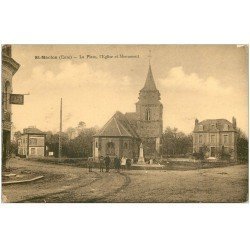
x,y
212,151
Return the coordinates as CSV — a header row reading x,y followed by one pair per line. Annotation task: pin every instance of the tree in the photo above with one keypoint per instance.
x,y
176,143
14,143
81,126
202,152
223,155
71,132
78,147
17,135
242,147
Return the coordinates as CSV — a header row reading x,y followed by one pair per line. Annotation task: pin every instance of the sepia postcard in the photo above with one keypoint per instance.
x,y
124,123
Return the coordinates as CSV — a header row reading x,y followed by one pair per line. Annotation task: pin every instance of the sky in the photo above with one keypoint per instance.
x,y
195,81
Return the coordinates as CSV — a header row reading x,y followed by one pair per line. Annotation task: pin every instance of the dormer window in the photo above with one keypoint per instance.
x,y
200,127
226,127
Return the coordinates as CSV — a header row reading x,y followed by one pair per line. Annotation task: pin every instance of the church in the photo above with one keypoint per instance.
x,y
123,134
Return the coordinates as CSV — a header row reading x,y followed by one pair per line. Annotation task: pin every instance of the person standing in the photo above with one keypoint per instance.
x,y
117,163
128,163
107,162
123,163
101,162
90,164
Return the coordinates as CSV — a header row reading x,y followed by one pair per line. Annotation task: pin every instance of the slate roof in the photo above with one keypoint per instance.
x,y
219,125
32,131
150,82
131,116
117,126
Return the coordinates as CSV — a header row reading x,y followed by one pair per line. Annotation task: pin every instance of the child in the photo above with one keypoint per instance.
x,y
123,162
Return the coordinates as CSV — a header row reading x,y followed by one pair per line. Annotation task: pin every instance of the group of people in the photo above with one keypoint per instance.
x,y
105,162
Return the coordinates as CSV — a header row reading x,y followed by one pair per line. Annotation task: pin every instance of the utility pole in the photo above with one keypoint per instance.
x,y
60,135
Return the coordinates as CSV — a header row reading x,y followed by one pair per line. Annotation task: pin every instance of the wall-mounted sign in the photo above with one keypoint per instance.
x,y
16,99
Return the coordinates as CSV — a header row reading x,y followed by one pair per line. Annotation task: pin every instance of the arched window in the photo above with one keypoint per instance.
x,y
147,115
110,148
125,145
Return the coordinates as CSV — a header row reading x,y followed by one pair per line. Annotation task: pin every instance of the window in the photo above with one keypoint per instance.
x,y
32,151
147,115
225,139
200,138
212,138
196,138
226,150
110,148
125,145
213,126
96,144
33,141
225,127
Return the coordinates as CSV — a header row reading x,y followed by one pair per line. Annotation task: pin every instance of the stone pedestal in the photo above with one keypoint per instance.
x,y
141,160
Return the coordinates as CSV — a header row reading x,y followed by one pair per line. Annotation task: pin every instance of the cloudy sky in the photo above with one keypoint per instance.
x,y
194,81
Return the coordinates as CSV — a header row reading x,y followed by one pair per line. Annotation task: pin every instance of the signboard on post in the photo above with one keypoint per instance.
x,y
17,99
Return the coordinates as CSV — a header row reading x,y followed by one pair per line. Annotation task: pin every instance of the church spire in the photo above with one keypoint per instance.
x,y
150,82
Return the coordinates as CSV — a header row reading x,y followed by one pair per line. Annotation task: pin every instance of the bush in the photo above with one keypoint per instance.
x,y
201,154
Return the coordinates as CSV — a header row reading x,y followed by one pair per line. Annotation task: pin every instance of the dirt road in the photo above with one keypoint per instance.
x,y
63,183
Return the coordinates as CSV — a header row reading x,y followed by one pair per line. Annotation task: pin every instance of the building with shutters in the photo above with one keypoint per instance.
x,y
218,135
32,143
123,133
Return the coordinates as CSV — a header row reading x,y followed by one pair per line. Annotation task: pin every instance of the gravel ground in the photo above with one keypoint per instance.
x,y
64,183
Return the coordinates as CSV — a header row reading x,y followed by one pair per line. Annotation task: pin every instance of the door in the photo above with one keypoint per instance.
x,y
212,151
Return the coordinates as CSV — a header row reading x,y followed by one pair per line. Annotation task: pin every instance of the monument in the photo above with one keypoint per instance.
x,y
141,160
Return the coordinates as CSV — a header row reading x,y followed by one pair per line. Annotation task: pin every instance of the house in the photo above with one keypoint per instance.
x,y
123,133
32,143
9,68
219,136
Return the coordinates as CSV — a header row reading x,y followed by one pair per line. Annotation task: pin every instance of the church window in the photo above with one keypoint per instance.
x,y
148,115
125,145
200,138
110,150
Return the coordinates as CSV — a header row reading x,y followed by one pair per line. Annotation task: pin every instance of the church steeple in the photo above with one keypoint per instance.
x,y
150,82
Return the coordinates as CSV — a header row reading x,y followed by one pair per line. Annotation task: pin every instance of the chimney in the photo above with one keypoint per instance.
x,y
196,121
234,122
